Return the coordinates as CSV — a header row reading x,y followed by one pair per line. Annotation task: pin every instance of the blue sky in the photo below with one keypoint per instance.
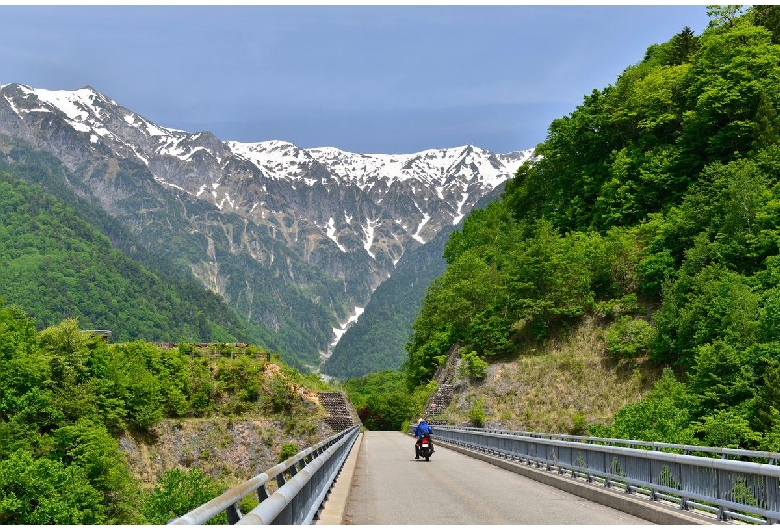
x,y
366,79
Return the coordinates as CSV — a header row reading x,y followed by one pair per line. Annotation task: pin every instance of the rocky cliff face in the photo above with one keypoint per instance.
x,y
295,239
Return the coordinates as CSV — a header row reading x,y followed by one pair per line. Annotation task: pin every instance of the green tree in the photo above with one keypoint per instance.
x,y
726,428
731,72
765,414
287,450
765,124
722,376
383,400
91,447
769,17
471,365
683,46
664,415
178,492
700,308
39,491
723,16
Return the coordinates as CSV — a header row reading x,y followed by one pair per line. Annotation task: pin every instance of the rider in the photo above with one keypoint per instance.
x,y
421,429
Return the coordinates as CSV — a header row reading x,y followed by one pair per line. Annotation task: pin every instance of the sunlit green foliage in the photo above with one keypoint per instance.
x,y
40,491
66,395
287,450
664,415
655,206
57,266
471,365
628,337
477,413
383,400
179,492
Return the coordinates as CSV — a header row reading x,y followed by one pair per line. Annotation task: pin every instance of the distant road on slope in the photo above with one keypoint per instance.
x,y
391,487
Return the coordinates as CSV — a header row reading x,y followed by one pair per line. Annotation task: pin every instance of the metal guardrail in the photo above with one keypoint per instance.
x,y
299,495
744,490
761,457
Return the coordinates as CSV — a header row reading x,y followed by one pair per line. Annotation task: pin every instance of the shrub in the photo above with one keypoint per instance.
x,y
178,492
471,365
628,337
477,413
579,424
287,450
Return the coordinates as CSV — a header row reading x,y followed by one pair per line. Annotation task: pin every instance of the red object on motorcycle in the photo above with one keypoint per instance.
x,y
426,447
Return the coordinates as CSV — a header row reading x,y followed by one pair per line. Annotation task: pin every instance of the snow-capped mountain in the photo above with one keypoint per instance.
x,y
350,216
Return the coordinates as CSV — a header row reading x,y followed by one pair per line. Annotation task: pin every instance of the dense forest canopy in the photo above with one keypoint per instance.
x,y
66,396
658,195
59,266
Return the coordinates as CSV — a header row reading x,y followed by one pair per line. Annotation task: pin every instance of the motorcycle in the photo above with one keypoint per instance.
x,y
426,447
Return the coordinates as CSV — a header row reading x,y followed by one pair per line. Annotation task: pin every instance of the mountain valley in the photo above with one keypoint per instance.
x,y
294,240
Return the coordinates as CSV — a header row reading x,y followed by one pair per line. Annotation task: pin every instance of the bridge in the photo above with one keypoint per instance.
x,y
480,476
390,487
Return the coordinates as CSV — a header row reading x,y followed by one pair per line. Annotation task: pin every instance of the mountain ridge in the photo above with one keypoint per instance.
x,y
350,216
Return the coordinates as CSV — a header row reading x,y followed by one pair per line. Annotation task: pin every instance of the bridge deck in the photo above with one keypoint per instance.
x,y
391,487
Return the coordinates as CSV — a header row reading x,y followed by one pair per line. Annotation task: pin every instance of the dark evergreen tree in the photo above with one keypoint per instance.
x,y
769,17
765,128
682,47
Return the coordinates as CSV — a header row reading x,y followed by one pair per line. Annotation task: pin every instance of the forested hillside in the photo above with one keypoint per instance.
x,y
56,265
167,246
67,398
658,195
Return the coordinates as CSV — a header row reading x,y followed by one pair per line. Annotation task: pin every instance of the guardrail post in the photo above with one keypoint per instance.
x,y
297,466
772,492
683,503
721,485
233,514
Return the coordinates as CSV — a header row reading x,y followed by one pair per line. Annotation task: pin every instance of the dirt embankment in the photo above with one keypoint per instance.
x,y
561,387
229,449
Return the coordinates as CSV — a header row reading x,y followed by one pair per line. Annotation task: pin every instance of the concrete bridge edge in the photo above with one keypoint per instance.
x,y
335,503
652,511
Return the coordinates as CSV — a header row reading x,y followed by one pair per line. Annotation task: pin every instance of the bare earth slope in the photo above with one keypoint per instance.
x,y
560,387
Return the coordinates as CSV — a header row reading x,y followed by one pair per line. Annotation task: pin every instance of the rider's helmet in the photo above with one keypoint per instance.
x,y
420,421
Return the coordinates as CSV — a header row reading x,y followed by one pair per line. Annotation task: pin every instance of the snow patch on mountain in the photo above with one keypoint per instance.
x,y
339,332
416,235
85,108
368,230
389,201
331,233
457,218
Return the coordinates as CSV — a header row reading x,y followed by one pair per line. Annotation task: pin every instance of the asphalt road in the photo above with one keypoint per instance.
x,y
391,487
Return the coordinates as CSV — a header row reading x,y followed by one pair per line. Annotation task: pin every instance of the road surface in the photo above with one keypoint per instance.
x,y
391,487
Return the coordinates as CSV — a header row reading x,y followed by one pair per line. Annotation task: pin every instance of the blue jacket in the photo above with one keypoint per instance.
x,y
421,429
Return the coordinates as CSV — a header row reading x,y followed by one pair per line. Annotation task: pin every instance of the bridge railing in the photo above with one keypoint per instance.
x,y
745,489
761,457
302,482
